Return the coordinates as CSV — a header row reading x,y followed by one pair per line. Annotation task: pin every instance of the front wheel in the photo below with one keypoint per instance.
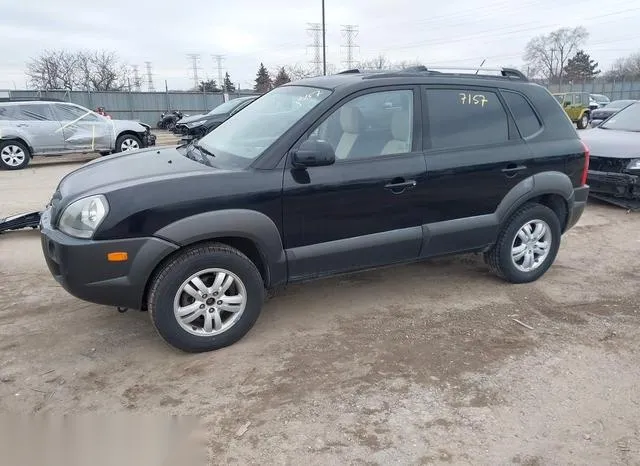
x,y
128,142
527,245
206,298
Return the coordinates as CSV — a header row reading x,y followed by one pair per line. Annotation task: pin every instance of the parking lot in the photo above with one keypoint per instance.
x,y
417,364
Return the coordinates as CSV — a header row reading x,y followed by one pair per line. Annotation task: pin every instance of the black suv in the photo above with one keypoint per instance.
x,y
319,177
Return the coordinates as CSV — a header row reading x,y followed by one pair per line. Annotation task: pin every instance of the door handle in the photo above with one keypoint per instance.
x,y
22,125
512,169
398,186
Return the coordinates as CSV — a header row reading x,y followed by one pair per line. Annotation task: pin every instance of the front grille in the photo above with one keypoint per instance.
x,y
606,164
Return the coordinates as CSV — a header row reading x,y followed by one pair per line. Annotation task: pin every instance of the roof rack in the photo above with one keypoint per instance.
x,y
510,73
30,99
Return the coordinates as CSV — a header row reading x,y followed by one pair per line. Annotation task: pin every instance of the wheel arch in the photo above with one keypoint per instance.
x,y
19,139
552,189
251,232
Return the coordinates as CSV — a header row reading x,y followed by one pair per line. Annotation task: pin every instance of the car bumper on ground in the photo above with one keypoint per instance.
x,y
149,140
82,268
622,185
577,206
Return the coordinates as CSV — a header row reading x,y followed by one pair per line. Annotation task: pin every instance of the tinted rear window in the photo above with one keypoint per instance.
x,y
525,116
7,112
462,117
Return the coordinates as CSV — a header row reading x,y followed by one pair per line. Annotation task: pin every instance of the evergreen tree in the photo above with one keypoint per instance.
x,y
208,86
581,67
263,80
281,78
228,86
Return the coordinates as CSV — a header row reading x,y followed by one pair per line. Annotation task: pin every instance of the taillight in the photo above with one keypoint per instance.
x,y
585,170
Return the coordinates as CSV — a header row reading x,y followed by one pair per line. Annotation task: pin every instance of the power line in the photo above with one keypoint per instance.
x,y
219,59
349,32
194,57
150,86
315,29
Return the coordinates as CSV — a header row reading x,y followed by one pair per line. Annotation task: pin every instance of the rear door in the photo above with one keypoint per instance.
x,y
475,155
365,209
82,129
39,126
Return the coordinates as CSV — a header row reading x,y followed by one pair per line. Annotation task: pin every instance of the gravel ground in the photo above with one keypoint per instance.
x,y
420,364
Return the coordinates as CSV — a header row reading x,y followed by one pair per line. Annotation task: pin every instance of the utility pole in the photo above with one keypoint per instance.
x,y
194,57
316,31
324,44
219,59
349,32
150,86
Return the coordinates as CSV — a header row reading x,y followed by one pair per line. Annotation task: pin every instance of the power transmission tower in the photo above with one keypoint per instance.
x,y
349,33
219,59
194,57
136,78
150,86
315,30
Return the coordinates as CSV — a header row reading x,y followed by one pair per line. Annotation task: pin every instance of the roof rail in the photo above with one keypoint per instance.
x,y
510,73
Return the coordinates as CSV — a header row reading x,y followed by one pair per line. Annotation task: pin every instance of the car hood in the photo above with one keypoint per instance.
x,y
612,143
127,125
203,117
127,168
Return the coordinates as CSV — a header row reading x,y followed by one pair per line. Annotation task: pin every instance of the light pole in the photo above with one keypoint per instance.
x,y
324,45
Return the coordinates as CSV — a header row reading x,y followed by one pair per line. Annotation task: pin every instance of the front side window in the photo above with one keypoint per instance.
x,y
465,117
371,125
71,112
248,134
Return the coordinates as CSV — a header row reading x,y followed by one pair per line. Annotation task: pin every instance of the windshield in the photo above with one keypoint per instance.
x,y
627,119
246,135
600,98
619,104
226,107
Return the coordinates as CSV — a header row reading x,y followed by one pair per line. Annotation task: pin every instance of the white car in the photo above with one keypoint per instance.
x,y
39,127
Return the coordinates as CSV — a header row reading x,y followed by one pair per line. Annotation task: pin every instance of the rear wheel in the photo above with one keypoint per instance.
x,y
207,298
527,245
14,155
128,142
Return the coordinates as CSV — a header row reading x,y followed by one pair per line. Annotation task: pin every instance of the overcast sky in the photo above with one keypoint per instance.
x,y
459,33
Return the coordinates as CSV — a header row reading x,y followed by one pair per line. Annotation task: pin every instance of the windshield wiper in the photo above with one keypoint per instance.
x,y
203,152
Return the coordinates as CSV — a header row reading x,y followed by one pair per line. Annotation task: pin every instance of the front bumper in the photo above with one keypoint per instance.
x,y
616,184
148,139
577,205
81,266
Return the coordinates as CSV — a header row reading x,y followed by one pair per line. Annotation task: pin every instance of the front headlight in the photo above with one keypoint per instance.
x,y
634,165
194,124
82,217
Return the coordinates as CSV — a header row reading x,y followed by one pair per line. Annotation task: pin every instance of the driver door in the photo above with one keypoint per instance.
x,y
82,129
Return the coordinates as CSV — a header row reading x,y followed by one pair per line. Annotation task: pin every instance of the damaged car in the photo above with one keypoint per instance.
x,y
38,127
196,126
614,166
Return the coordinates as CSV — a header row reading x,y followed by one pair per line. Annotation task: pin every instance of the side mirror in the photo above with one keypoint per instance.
x,y
313,153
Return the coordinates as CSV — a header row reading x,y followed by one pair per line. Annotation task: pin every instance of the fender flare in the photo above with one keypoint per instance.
x,y
239,223
550,182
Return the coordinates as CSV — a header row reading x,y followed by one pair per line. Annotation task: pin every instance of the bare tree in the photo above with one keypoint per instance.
x,y
54,69
548,54
298,71
625,67
87,70
381,62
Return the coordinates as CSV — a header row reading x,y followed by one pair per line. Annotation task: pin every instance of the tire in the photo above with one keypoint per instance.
x,y
583,122
127,140
14,155
499,258
208,262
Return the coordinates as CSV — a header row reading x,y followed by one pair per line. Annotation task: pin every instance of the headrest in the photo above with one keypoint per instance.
x,y
401,125
350,119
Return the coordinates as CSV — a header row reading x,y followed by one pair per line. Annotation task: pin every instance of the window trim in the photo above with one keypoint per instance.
x,y
417,136
533,107
513,136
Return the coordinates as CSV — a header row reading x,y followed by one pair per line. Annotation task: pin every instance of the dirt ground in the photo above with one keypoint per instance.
x,y
420,364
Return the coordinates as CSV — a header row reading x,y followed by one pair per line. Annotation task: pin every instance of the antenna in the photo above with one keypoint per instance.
x,y
481,65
